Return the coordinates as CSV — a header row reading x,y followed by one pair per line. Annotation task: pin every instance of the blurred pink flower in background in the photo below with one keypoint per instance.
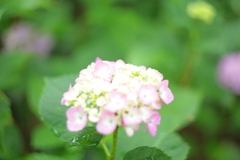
x,y
229,72
23,37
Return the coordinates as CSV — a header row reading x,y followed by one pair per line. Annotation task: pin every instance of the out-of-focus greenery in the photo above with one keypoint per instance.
x,y
162,34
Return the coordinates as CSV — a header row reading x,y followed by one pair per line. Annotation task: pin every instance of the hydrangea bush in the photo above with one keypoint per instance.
x,y
113,94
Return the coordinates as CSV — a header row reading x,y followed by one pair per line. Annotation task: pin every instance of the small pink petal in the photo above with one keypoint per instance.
x,y
143,68
119,79
135,84
130,129
156,74
146,113
91,66
107,123
70,95
148,94
78,80
165,93
167,96
132,117
157,105
63,101
76,119
164,83
119,64
110,63
104,71
132,98
83,72
98,60
153,122
117,102
152,129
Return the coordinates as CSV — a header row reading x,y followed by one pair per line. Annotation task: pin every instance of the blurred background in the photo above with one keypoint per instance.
x,y
192,43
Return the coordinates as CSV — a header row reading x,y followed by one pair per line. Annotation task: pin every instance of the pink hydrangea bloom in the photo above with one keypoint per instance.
x,y
104,71
117,101
107,123
113,94
131,117
146,113
76,119
229,71
148,94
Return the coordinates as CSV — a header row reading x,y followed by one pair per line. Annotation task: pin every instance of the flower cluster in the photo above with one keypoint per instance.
x,y
228,72
113,94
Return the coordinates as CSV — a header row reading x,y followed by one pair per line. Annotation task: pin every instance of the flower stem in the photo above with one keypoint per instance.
x,y
114,144
193,55
105,148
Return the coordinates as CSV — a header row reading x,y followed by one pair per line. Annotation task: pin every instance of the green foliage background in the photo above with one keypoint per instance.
x,y
203,122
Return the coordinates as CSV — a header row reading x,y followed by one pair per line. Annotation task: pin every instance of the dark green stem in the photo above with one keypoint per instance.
x,y
193,54
114,144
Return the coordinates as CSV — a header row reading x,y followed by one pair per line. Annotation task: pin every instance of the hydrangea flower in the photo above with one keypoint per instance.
x,y
113,94
228,72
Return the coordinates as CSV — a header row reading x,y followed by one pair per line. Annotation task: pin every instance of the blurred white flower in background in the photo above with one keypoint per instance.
x,y
201,10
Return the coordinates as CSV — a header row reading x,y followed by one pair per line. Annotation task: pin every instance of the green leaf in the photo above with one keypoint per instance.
x,y
52,112
34,92
48,141
88,137
173,117
2,11
12,66
5,113
209,121
224,150
41,156
11,142
72,154
175,147
146,153
95,153
181,111
10,139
